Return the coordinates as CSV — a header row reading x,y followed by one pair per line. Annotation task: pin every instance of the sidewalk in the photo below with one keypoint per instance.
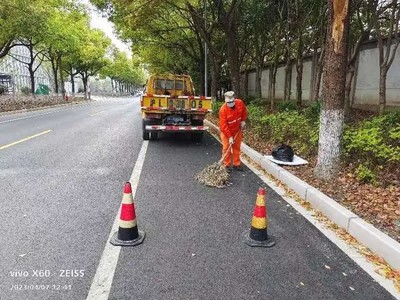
x,y
366,234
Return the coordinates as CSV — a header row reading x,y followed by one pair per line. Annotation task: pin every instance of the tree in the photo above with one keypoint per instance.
x,y
361,25
159,40
258,31
125,73
228,17
31,28
91,56
332,113
224,17
386,19
8,14
31,34
65,28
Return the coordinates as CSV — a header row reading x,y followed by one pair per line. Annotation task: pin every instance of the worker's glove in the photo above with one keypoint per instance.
x,y
243,125
231,141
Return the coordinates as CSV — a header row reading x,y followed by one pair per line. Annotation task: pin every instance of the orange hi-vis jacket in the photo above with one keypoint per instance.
x,y
230,118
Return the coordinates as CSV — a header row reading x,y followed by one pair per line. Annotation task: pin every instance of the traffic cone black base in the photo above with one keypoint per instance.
x,y
269,242
128,242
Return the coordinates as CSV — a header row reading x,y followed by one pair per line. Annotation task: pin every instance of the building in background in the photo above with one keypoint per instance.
x,y
20,78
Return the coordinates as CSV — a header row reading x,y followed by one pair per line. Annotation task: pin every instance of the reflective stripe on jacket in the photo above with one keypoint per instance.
x,y
230,118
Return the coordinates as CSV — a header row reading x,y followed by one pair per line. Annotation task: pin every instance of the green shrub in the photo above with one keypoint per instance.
x,y
3,89
313,111
216,105
287,106
26,90
249,99
255,114
364,174
291,128
374,142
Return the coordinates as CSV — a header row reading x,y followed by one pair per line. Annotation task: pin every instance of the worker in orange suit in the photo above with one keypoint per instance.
x,y
232,121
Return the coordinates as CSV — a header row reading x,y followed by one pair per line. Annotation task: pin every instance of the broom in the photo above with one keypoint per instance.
x,y
215,174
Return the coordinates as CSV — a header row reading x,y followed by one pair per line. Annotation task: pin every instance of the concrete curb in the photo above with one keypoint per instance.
x,y
368,235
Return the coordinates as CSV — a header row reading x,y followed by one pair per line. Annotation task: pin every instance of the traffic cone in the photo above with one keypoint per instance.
x,y
128,233
258,234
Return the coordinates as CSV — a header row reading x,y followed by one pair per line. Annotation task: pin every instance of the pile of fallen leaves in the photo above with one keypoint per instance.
x,y
378,204
214,175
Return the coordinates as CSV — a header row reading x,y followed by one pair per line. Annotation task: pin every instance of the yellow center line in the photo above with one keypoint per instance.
x,y
24,140
97,113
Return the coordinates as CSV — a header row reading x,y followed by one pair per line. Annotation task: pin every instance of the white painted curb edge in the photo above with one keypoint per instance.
x,y
368,235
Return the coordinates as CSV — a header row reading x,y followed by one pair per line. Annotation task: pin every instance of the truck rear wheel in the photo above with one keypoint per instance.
x,y
153,136
150,135
145,133
197,136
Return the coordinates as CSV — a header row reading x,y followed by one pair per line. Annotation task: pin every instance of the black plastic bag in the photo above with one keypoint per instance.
x,y
283,153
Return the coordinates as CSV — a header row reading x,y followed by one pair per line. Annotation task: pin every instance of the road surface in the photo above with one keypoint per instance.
x,y
62,172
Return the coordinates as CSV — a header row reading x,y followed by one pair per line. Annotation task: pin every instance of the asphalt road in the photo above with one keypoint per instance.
x,y
61,176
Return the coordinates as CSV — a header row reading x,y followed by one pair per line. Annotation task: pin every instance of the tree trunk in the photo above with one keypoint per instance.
x,y
349,81
258,81
271,85
32,78
320,69
54,68
59,59
215,77
314,65
288,80
332,113
246,82
299,82
233,60
382,90
202,79
84,81
299,70
72,81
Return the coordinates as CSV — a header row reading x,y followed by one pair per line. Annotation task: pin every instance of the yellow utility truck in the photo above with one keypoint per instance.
x,y
169,104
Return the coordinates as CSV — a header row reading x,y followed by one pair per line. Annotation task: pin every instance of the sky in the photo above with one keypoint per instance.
x,y
97,21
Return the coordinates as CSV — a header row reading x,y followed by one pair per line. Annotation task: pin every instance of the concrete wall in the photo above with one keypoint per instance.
x,y
365,83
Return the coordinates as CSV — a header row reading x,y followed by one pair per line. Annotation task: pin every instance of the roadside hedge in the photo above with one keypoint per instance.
x,y
373,144
289,126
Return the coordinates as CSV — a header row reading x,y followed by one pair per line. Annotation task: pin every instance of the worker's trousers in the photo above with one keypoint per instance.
x,y
234,152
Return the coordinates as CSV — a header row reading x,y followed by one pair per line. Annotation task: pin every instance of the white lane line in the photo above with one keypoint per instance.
x,y
102,281
350,251
25,139
100,112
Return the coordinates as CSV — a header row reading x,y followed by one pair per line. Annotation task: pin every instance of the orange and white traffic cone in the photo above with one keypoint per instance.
x,y
258,234
128,233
